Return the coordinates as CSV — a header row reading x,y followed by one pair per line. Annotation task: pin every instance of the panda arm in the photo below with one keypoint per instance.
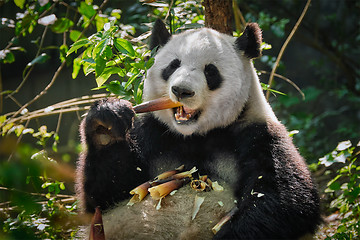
x,y
276,198
109,167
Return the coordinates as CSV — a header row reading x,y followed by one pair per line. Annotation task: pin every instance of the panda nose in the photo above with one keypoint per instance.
x,y
181,93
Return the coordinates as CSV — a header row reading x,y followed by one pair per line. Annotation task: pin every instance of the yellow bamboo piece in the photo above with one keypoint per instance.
x,y
164,189
139,193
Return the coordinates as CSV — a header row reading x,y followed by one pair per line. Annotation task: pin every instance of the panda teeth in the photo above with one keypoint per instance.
x,y
181,115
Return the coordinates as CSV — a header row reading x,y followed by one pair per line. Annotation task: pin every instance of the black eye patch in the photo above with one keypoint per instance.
x,y
170,69
212,76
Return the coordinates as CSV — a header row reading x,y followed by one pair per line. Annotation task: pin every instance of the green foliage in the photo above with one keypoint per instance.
x,y
313,122
36,208
183,14
345,188
106,54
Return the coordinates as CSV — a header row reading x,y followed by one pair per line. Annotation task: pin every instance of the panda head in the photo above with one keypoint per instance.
x,y
210,73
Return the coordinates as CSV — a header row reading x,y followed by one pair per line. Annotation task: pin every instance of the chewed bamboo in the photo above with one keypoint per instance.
x,y
224,220
164,189
186,174
156,104
199,185
168,174
139,193
217,187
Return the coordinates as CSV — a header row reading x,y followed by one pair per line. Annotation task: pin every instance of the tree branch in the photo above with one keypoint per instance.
x,y
287,80
285,45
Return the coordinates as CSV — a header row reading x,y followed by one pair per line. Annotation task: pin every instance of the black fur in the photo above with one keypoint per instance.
x,y
250,41
170,69
101,172
266,162
213,76
160,35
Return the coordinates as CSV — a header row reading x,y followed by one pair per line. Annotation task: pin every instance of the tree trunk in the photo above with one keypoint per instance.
x,y
219,15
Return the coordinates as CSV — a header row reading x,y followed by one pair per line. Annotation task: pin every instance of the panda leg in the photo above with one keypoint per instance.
x,y
108,169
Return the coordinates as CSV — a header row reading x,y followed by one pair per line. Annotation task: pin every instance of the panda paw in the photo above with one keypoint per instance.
x,y
108,121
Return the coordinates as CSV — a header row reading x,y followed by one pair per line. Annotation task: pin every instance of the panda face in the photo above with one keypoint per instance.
x,y
203,70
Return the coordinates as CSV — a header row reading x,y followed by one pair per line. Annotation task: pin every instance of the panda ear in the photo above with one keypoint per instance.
x,y
249,42
159,35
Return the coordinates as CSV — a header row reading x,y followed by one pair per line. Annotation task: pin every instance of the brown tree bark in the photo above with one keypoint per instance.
x,y
219,15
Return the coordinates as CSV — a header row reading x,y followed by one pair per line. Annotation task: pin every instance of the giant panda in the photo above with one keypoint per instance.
x,y
227,130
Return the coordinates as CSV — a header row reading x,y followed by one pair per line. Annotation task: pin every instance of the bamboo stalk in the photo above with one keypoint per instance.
x,y
156,105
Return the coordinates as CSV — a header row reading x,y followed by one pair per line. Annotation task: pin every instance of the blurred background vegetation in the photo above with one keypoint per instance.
x,y
57,57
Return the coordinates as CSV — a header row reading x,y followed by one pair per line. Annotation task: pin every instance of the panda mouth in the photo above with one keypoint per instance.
x,y
184,115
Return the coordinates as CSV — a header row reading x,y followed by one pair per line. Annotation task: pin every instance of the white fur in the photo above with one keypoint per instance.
x,y
221,107
172,221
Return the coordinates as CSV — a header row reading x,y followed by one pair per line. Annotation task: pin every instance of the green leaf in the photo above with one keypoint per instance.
x,y
116,13
124,47
100,21
116,88
88,68
333,184
107,73
88,51
139,65
99,50
8,58
55,146
266,87
76,67
341,229
18,130
100,66
62,186
74,35
108,52
20,3
138,86
38,60
131,79
86,10
77,45
62,25
63,51
149,63
102,79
